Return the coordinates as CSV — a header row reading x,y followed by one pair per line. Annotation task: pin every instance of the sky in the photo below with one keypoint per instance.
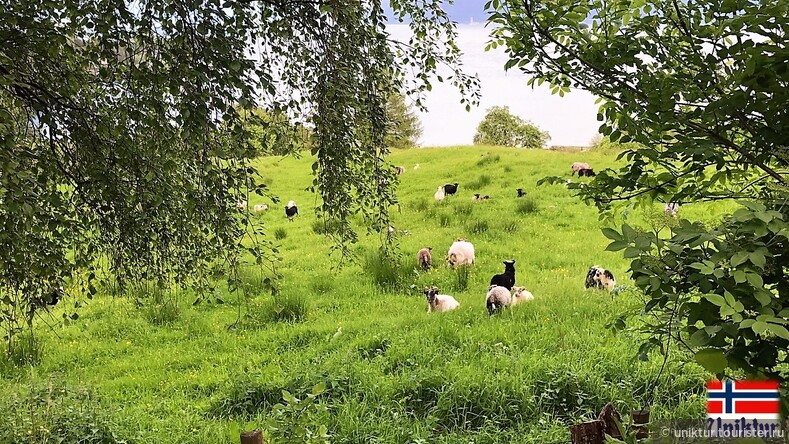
x,y
570,120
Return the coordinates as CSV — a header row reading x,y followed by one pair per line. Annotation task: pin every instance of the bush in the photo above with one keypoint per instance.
x,y
56,413
510,226
481,181
499,127
527,205
280,233
488,159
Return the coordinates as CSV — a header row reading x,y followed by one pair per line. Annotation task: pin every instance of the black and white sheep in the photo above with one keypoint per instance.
x,y
519,295
400,170
424,258
521,193
291,210
672,209
439,302
498,298
600,278
506,279
451,188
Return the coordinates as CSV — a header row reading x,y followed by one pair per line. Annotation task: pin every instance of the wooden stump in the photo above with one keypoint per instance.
x,y
592,432
641,422
607,416
253,437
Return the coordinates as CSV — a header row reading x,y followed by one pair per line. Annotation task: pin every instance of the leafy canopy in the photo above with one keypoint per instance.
x,y
702,88
500,127
124,130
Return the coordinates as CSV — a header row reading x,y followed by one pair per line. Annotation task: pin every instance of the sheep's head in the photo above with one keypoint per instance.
x,y
430,294
452,259
509,265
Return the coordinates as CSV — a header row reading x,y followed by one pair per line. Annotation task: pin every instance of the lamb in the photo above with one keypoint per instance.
x,y
440,194
241,204
600,278
400,170
260,207
520,295
588,172
439,302
461,253
424,259
506,279
521,193
416,167
477,196
498,299
450,188
577,166
672,209
291,210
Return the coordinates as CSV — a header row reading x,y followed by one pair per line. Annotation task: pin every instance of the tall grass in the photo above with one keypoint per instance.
x,y
390,272
482,181
527,205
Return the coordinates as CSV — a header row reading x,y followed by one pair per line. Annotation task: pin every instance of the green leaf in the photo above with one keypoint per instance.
x,y
715,299
612,234
759,327
714,361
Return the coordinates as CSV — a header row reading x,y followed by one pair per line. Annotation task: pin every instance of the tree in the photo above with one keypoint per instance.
x,y
702,87
122,126
404,128
500,127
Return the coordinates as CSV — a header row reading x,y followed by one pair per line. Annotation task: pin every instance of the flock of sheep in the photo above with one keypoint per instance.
x,y
502,292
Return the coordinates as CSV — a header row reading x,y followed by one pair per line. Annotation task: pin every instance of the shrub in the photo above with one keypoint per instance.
x,y
527,205
510,226
280,233
53,412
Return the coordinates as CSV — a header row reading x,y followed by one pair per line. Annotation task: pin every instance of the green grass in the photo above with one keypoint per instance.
x,y
392,372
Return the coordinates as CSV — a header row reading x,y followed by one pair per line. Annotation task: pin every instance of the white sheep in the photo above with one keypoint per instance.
x,y
439,302
241,204
498,298
440,194
260,207
520,295
578,166
461,253
416,167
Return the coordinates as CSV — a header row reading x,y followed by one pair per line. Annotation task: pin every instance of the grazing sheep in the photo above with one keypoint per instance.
x,y
577,166
519,295
440,194
241,204
416,167
451,188
439,302
477,196
588,172
400,170
498,299
672,209
521,193
506,279
52,298
486,197
424,259
291,210
600,278
461,253
260,207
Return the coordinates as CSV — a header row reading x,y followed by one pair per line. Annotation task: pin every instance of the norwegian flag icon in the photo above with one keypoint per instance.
x,y
737,399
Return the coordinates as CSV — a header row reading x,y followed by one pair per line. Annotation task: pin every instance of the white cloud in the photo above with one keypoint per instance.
x,y
570,120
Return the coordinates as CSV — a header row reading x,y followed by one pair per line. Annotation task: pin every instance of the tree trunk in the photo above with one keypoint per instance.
x,y
607,415
592,432
253,437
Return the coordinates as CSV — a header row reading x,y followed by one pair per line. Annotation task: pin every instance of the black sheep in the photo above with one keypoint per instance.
x,y
588,172
450,189
521,193
506,279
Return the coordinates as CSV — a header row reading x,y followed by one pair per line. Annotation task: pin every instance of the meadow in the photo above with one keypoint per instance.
x,y
155,369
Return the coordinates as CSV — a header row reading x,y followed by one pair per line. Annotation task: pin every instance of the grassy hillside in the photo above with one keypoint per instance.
x,y
392,372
